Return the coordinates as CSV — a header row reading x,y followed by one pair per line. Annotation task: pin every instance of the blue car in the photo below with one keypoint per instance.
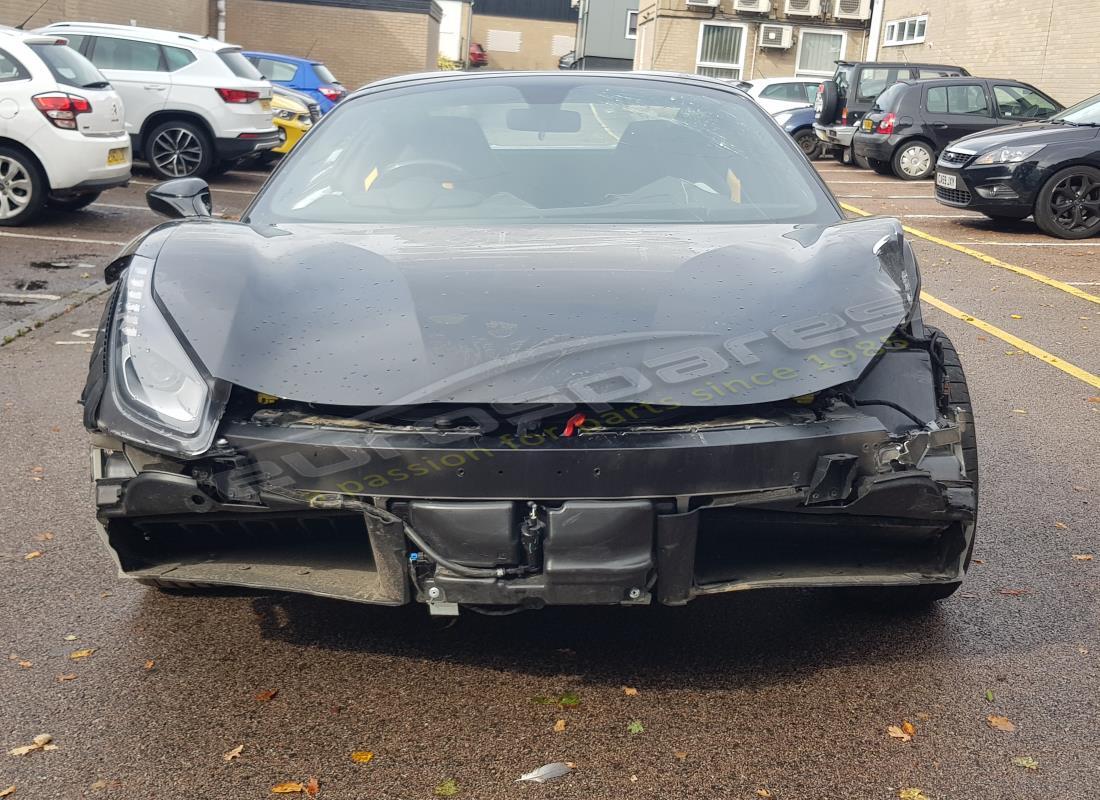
x,y
799,123
301,74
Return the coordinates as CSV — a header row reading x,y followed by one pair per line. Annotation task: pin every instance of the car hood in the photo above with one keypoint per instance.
x,y
402,315
1025,133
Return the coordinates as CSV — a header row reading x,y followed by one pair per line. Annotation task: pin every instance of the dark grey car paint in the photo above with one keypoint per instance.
x,y
397,315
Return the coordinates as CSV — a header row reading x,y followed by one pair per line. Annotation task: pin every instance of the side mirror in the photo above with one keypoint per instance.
x,y
181,197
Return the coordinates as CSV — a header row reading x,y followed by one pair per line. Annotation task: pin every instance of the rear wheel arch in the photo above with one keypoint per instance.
x,y
17,145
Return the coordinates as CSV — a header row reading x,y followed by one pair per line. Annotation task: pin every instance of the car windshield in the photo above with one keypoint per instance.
x,y
239,65
322,72
69,67
546,149
1087,112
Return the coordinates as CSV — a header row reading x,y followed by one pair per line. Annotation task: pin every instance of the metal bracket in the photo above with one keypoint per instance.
x,y
832,479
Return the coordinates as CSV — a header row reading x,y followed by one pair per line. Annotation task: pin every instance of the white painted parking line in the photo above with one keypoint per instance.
x,y
879,183
944,216
60,239
1083,283
888,197
213,189
28,296
1032,244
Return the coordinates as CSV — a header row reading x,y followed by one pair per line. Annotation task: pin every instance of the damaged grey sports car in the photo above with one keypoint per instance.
x,y
502,341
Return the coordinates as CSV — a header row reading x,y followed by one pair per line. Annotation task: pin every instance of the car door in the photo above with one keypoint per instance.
x,y
138,73
1016,102
956,110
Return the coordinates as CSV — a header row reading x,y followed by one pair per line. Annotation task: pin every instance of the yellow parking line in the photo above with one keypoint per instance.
x,y
988,259
1015,341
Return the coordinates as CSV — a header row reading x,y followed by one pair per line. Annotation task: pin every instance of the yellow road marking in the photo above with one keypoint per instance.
x,y
1015,341
988,259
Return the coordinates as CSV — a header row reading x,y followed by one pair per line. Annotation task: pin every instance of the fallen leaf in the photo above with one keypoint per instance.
x,y
680,754
559,726
76,655
68,676
362,756
1016,316
909,728
989,695
447,788
569,700
266,695
983,338
313,786
150,664
38,470
1000,723
1079,489
977,561
923,717
32,554
70,638
1027,762
764,793
42,741
898,733
8,791
1012,592
912,794
548,772
630,691
1083,557
26,664
1095,399
633,778
234,753
635,726
45,536
1061,525
1083,651
1018,411
288,787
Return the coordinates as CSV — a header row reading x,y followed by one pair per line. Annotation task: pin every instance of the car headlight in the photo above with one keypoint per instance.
x,y
1009,155
783,117
153,374
282,113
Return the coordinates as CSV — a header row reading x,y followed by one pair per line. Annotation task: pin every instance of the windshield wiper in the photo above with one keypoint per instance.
x,y
96,85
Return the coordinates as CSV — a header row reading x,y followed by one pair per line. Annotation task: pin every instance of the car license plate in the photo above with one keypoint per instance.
x,y
946,181
265,105
117,155
868,125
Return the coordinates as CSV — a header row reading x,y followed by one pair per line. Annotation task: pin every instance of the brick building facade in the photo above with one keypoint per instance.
x,y
524,34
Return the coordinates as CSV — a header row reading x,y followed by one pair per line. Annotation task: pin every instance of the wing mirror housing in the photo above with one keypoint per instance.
x,y
181,197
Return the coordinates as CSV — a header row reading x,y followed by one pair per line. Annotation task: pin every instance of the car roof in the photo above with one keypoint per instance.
x,y
642,75
773,81
281,57
157,35
917,64
957,79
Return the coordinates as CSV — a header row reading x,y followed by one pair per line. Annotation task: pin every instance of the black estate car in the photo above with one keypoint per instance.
x,y
849,94
912,121
1050,169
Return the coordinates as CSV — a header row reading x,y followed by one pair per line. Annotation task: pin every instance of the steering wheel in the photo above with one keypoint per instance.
x,y
422,167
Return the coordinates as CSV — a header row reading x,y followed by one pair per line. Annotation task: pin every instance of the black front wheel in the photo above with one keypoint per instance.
x,y
808,143
1068,205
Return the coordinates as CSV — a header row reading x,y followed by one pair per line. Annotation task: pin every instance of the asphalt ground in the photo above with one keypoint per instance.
x,y
788,693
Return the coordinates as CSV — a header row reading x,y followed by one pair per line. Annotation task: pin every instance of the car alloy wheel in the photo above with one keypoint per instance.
x,y
915,161
176,152
16,188
1075,203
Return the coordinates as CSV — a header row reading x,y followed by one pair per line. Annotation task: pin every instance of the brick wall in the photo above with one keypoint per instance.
x,y
668,39
190,16
1052,44
358,45
517,43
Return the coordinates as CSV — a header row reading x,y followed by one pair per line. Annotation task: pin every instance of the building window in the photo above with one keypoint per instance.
x,y
905,31
631,24
721,50
818,51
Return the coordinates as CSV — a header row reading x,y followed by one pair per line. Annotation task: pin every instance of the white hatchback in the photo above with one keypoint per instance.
x,y
62,137
194,105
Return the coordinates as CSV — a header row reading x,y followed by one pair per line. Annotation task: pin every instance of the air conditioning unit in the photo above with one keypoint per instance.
x,y
802,8
781,36
702,3
759,6
852,9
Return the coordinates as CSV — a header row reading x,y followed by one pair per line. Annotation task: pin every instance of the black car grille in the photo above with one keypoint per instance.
x,y
951,157
959,197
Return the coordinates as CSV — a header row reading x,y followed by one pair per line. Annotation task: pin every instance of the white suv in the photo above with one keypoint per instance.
x,y
62,139
194,105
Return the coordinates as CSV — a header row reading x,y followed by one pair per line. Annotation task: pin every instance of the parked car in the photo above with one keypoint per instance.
x,y
799,123
303,75
1050,169
62,137
568,61
912,121
479,58
842,101
404,391
781,94
193,104
295,113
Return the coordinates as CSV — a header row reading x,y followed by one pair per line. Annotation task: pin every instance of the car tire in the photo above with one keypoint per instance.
x,y
954,394
179,149
808,143
829,94
914,161
23,187
74,203
1074,191
881,167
